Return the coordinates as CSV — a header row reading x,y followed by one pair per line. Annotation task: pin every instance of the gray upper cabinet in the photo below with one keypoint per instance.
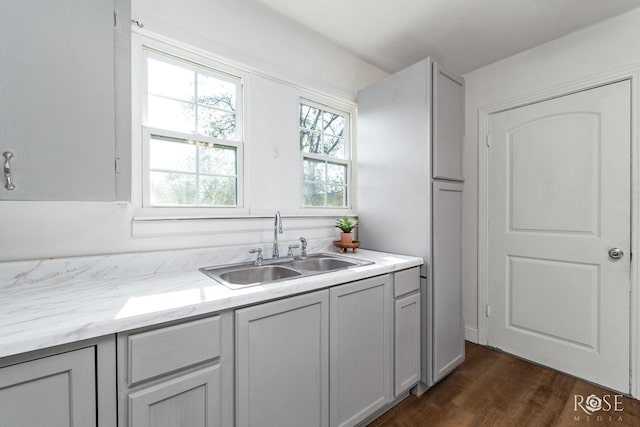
x,y
65,99
448,116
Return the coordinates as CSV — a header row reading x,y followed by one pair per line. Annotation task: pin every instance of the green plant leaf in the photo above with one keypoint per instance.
x,y
346,224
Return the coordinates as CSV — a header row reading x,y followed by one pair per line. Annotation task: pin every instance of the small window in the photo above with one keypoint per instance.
x,y
192,137
324,144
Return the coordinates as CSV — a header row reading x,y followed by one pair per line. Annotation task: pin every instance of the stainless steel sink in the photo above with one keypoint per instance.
x,y
245,274
258,274
322,264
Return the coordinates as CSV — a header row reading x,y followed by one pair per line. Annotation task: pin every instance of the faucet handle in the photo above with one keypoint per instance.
x,y
260,258
291,248
304,247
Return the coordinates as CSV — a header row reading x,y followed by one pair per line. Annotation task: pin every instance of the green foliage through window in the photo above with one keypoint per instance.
x,y
322,132
201,168
323,135
190,173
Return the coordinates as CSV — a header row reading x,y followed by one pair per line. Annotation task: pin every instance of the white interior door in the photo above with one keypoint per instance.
x,y
559,201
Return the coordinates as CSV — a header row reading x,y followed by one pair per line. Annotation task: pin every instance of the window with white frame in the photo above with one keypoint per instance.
x,y
326,158
192,137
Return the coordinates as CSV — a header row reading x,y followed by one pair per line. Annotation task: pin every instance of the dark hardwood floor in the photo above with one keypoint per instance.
x,y
494,389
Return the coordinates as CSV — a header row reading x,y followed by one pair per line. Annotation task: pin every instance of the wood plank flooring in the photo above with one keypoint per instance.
x,y
494,389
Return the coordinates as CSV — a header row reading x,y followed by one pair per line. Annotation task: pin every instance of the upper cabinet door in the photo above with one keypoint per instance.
x,y
448,124
61,87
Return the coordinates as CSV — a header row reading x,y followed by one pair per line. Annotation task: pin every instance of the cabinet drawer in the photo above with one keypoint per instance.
x,y
406,281
176,347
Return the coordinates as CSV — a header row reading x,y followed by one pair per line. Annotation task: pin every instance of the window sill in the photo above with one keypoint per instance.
x,y
233,229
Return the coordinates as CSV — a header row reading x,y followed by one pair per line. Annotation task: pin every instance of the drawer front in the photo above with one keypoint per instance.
x,y
406,281
172,348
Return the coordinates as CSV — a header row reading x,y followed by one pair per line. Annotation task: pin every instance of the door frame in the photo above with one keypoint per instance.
x,y
631,73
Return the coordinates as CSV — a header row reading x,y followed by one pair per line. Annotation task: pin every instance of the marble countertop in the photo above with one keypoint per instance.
x,y
59,308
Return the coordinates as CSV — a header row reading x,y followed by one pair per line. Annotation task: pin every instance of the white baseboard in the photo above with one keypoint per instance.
x,y
471,334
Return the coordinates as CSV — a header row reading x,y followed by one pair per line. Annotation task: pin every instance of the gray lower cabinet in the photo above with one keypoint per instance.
x,y
407,329
282,353
361,355
189,400
318,359
407,342
73,388
177,375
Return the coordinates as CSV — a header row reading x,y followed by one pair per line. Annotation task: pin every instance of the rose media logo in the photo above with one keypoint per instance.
x,y
605,408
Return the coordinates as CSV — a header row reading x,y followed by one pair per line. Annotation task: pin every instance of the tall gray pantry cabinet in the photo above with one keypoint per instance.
x,y
410,183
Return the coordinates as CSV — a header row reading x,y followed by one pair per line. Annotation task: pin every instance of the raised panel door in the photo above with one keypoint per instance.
x,y
191,400
361,361
559,200
55,391
282,353
448,326
448,124
407,342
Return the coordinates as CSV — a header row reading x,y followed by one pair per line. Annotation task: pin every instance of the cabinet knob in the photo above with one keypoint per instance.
x,y
7,170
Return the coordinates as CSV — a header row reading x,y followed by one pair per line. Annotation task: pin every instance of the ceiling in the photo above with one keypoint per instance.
x,y
461,34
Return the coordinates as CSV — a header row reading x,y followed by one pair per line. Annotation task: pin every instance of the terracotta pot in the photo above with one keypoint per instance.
x,y
346,237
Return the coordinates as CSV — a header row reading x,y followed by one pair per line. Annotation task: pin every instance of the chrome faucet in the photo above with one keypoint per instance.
x,y
258,260
303,255
277,228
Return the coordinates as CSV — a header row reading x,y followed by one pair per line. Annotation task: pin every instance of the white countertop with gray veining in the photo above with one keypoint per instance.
x,y
52,302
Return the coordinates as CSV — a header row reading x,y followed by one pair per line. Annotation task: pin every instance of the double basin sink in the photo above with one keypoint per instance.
x,y
241,275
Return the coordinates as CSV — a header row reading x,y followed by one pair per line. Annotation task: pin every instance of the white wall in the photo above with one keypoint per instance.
x,y
250,34
278,56
608,46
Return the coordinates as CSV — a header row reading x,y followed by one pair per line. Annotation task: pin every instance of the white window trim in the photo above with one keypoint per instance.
x,y
147,132
159,222
341,110
213,69
144,47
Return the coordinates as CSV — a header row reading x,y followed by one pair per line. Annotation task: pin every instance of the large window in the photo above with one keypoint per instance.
x,y
324,144
193,135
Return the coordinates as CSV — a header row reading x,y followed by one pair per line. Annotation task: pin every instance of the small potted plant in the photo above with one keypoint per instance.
x,y
346,226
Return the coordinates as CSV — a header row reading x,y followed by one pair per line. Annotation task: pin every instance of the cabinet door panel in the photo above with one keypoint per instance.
x,y
283,362
191,400
448,327
361,349
58,92
448,124
407,342
55,391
